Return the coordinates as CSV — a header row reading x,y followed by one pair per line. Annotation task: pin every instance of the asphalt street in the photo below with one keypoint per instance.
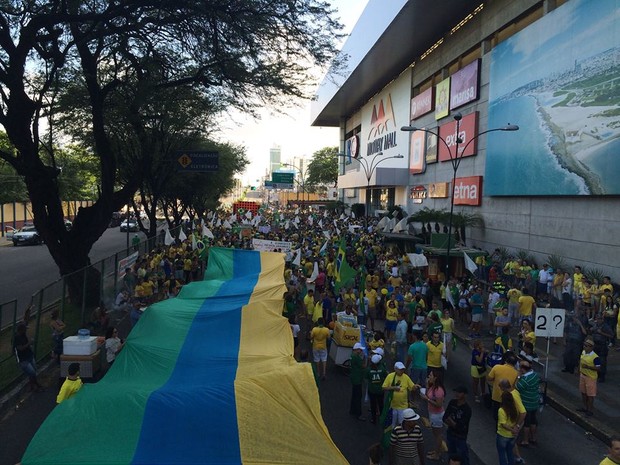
x,y
560,440
30,268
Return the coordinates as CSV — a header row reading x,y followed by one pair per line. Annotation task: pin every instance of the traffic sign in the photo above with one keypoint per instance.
x,y
278,185
197,161
549,322
279,177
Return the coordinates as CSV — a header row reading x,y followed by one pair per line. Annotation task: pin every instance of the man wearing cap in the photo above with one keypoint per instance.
x,y
457,416
406,441
589,366
375,374
356,375
401,385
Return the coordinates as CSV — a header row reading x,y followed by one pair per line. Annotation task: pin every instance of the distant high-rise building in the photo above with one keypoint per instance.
x,y
275,158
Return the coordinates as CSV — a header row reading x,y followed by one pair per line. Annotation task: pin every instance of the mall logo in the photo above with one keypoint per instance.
x,y
382,133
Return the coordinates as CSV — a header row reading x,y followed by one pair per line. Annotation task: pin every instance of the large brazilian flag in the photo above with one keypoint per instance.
x,y
206,378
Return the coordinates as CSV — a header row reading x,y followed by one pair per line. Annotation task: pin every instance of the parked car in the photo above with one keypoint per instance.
x,y
27,235
131,226
9,231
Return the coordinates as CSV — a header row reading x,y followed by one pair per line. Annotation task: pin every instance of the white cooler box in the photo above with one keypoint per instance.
x,y
75,345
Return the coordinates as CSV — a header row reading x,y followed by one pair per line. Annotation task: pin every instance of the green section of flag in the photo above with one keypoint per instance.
x,y
344,273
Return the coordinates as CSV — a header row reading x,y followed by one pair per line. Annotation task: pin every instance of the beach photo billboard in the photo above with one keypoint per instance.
x,y
559,80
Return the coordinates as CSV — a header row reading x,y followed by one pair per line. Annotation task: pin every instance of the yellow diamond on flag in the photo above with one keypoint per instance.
x,y
185,160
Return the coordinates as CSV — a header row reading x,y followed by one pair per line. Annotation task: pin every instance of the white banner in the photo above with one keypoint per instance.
x,y
126,263
270,246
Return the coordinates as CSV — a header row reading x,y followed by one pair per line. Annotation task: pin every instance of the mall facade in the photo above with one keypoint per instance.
x,y
551,67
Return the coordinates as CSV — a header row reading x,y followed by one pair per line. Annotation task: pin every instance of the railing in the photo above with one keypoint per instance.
x,y
75,308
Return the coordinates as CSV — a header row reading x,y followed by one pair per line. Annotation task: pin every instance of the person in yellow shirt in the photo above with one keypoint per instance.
x,y
589,366
527,304
613,457
309,303
577,282
71,385
371,294
507,429
391,319
433,357
505,371
513,295
319,336
401,386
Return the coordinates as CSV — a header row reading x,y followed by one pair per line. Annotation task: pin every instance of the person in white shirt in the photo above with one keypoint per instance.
x,y
544,277
492,300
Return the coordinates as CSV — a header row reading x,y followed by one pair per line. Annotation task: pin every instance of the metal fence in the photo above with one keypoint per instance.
x,y
75,308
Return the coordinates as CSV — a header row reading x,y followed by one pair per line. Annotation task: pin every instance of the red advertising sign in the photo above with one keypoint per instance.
x,y
423,103
468,129
465,84
468,191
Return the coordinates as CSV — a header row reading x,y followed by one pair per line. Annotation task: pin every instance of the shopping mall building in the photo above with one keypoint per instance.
x,y
551,67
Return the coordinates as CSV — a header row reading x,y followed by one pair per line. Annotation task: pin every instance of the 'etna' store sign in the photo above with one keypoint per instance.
x,y
468,191
468,129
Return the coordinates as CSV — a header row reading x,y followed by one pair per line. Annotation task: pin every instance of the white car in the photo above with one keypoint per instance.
x,y
27,235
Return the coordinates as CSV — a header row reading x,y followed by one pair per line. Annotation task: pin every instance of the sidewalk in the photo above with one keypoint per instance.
x,y
563,388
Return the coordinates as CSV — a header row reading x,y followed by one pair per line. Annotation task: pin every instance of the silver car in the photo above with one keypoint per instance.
x,y
27,235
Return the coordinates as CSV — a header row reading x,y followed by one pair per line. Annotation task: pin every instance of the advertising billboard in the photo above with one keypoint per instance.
x,y
442,99
464,85
558,80
467,131
416,160
468,191
423,103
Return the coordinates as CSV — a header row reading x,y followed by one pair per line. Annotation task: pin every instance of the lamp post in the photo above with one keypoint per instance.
x,y
301,184
369,168
455,161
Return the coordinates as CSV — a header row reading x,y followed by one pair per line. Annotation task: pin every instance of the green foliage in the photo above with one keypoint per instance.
x,y
323,168
335,206
429,215
594,274
358,209
12,187
526,256
504,254
557,262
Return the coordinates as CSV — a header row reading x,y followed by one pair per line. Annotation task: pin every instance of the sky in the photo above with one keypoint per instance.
x,y
292,132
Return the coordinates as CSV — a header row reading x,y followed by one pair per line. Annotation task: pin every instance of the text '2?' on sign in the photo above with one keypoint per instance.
x,y
549,322
195,161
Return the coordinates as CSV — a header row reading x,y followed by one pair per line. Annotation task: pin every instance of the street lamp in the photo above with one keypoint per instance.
x,y
302,184
369,168
455,161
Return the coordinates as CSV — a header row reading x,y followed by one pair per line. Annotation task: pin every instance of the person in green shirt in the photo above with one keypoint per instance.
x,y
375,375
356,375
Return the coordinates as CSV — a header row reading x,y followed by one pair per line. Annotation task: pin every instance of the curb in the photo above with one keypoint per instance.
x,y
558,403
10,399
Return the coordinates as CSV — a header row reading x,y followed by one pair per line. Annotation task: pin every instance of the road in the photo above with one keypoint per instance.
x,y
560,440
28,269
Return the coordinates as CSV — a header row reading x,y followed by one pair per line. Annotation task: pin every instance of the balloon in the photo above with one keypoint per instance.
x,y
384,291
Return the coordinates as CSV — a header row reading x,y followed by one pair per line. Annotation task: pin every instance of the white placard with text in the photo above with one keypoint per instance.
x,y
549,322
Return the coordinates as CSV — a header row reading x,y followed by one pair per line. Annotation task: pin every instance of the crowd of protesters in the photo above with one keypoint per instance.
x,y
409,318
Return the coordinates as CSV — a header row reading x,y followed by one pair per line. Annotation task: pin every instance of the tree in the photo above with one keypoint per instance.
x,y
323,168
194,193
238,53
